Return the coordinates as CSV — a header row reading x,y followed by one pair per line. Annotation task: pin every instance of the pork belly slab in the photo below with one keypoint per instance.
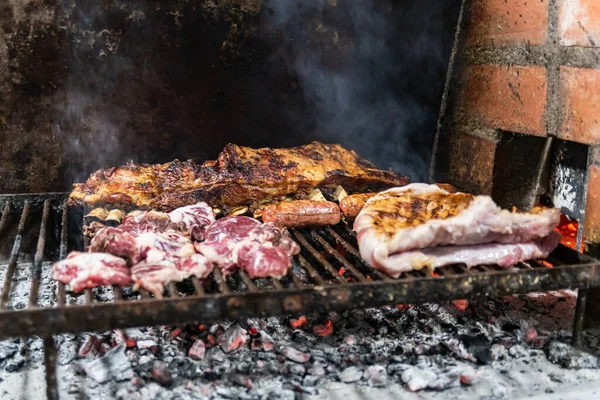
x,y
241,176
446,229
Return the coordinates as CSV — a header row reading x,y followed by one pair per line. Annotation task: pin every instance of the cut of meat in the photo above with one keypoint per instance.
x,y
421,216
263,260
241,176
88,270
154,247
153,275
146,221
241,242
115,241
501,254
193,219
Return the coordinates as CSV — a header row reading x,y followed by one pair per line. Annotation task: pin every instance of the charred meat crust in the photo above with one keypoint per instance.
x,y
241,176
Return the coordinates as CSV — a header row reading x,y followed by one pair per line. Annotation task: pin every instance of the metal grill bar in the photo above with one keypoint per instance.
x,y
14,256
39,256
315,283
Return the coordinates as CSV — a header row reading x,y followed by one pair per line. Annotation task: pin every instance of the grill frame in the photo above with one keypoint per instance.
x,y
291,295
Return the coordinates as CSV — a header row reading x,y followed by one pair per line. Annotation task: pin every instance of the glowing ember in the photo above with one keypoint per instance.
x,y
323,330
461,305
546,263
568,230
369,278
130,342
342,271
201,327
435,274
176,332
298,323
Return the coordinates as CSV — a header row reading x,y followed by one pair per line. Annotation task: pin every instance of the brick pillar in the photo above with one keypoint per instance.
x,y
528,68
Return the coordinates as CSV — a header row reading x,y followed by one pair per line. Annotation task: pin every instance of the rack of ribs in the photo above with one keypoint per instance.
x,y
240,177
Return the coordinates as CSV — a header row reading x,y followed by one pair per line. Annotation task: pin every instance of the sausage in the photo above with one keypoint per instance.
x,y
300,213
352,204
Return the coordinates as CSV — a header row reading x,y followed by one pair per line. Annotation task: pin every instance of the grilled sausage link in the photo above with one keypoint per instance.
x,y
300,213
352,204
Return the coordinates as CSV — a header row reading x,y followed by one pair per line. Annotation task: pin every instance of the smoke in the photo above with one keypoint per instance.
x,y
371,72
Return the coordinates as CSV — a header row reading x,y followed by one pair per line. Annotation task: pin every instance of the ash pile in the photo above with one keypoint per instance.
x,y
483,348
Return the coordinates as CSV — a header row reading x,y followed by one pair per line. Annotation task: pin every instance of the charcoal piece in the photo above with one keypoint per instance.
x,y
478,347
233,338
7,349
295,355
15,364
113,365
417,378
570,357
376,375
161,373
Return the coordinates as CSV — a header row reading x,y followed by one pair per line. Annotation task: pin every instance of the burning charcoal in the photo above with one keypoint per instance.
x,y
92,347
295,355
417,378
323,330
161,373
146,344
298,323
113,365
351,374
242,380
137,382
397,368
197,350
466,380
234,337
263,343
376,375
478,348
569,357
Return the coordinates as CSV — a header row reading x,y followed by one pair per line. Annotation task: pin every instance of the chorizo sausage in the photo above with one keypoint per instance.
x,y
300,213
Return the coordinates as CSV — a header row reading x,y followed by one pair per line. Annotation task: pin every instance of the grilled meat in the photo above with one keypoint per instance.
x,y
300,213
241,176
88,270
420,216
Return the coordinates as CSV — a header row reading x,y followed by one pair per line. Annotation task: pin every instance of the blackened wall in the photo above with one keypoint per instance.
x,y
92,84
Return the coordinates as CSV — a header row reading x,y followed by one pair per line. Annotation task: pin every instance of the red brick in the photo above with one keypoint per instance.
x,y
471,165
508,22
579,23
580,94
592,215
508,98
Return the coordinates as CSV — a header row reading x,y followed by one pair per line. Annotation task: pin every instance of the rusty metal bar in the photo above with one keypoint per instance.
x,y
36,270
313,252
198,286
297,282
582,295
352,250
118,292
89,296
14,256
5,214
50,364
173,292
357,274
247,281
276,284
220,279
311,271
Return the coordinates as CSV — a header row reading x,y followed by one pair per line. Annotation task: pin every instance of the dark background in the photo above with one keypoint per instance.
x,y
92,84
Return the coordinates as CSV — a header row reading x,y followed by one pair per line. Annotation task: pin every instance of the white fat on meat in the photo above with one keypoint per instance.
x,y
193,219
481,222
88,270
501,254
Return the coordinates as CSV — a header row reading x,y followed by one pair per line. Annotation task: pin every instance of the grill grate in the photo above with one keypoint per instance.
x,y
327,275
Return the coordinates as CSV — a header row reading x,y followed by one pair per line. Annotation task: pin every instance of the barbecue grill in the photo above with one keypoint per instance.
x,y
328,274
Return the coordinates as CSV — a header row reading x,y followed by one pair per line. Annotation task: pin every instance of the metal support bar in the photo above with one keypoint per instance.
x,y
50,363
582,295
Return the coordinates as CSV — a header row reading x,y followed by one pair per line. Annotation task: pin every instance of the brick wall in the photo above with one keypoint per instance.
x,y
521,67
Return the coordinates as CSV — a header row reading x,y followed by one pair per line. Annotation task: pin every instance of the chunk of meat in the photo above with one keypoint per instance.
x,y
146,221
88,270
240,177
242,242
421,216
153,247
193,219
501,254
115,241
